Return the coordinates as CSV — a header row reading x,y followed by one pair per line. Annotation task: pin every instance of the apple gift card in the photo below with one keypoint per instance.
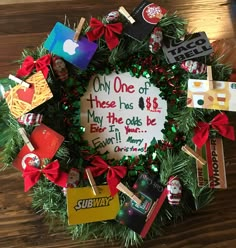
x,y
60,42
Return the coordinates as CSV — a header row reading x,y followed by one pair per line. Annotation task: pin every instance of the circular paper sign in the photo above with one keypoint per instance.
x,y
122,114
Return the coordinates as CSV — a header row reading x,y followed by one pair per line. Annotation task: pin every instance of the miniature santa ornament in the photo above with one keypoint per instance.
x,y
59,68
174,190
73,179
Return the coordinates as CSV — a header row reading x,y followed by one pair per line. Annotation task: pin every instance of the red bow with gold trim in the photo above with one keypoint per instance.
x,y
52,172
220,123
114,173
109,31
29,64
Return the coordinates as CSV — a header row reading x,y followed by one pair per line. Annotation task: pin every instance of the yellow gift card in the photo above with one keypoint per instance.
x,y
84,207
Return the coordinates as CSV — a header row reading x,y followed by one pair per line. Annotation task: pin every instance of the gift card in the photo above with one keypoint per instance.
x,y
195,45
60,42
85,207
146,16
21,100
46,143
139,218
221,96
213,173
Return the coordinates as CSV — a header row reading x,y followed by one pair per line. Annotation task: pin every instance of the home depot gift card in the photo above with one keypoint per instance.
x,y
46,143
21,100
60,42
85,207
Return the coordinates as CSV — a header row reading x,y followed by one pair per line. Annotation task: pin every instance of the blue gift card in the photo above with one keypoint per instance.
x,y
60,42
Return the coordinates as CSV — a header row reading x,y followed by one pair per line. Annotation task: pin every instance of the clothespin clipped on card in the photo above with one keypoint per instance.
x,y
79,29
126,14
24,136
209,77
193,154
19,81
91,181
121,187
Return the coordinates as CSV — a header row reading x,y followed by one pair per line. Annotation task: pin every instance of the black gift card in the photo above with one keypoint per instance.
x,y
196,45
139,218
146,16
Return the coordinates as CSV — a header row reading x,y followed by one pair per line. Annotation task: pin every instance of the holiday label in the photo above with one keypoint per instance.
x,y
139,218
146,16
46,143
213,173
21,100
222,96
122,114
85,207
61,42
196,45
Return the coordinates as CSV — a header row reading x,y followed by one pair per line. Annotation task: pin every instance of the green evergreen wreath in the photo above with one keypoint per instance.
x,y
163,158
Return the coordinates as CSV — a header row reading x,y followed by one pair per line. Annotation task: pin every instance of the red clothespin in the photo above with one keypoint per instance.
x,y
126,14
79,29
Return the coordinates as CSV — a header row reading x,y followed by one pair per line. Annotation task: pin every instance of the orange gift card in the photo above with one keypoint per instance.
x,y
21,100
85,207
46,143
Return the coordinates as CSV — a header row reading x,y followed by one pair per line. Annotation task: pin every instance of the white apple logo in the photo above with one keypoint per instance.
x,y
69,47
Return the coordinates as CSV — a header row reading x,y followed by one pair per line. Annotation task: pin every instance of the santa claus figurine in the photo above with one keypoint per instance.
x,y
59,68
174,190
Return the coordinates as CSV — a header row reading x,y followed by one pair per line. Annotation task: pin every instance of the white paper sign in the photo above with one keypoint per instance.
x,y
122,114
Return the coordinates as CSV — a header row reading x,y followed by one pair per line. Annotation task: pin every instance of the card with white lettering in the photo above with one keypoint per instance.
x,y
146,16
221,96
196,45
213,173
46,142
85,207
60,42
122,114
139,218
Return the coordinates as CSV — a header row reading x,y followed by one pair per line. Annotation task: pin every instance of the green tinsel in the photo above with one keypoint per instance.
x,y
163,158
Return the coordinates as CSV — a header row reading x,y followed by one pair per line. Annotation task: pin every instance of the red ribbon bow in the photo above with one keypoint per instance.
x,y
114,173
29,64
220,123
32,174
109,31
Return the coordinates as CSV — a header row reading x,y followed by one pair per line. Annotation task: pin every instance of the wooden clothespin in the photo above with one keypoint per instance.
x,y
24,136
91,181
126,14
193,154
79,29
209,77
19,81
121,187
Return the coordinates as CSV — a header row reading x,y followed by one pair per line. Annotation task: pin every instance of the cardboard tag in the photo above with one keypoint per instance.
x,y
85,207
146,16
61,42
139,218
213,173
122,114
21,100
222,96
46,143
196,45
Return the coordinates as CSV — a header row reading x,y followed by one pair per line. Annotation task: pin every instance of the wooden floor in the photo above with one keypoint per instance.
x,y
25,24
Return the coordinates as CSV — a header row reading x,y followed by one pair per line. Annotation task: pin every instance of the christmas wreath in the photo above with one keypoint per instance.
x,y
112,129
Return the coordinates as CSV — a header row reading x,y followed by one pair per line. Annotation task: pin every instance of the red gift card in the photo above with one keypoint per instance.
x,y
46,143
